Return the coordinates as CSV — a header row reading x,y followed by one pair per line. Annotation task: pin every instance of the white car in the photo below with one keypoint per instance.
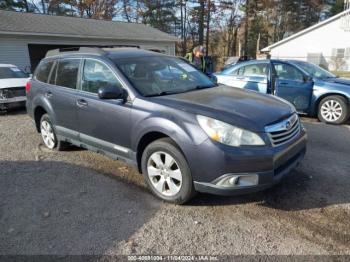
x,y
12,86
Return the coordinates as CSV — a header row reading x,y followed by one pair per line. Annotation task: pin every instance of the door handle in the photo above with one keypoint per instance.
x,y
48,94
82,103
283,83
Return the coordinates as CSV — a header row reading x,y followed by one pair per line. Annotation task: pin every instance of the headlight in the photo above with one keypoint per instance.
x,y
227,134
4,93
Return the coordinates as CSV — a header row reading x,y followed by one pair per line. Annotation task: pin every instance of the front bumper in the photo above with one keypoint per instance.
x,y
269,166
13,102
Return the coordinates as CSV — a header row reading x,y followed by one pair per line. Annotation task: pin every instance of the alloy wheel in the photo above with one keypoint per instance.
x,y
164,173
331,110
47,134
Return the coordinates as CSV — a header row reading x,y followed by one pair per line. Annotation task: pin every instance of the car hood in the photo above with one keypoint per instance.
x,y
337,80
246,109
12,82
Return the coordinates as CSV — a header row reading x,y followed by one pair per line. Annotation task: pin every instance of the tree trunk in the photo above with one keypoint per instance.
x,y
246,28
126,13
201,22
234,42
208,29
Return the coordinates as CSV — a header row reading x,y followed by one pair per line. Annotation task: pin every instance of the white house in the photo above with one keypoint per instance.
x,y
26,37
326,44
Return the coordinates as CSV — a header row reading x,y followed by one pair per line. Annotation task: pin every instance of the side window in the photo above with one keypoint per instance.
x,y
256,70
237,72
288,72
43,71
67,73
96,75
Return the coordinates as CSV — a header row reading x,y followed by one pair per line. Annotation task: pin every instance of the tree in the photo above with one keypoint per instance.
x,y
160,14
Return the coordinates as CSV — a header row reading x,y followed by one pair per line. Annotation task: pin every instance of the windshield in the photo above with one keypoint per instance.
x,y
314,70
162,75
11,72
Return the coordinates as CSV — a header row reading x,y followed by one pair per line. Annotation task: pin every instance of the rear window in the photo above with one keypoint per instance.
x,y
67,73
11,72
43,71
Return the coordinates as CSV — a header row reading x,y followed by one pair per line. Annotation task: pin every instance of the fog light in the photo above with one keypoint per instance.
x,y
237,180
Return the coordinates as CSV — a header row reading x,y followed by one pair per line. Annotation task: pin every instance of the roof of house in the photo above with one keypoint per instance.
x,y
65,26
307,30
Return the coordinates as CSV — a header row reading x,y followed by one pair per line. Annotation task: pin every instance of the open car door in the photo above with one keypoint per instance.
x,y
292,85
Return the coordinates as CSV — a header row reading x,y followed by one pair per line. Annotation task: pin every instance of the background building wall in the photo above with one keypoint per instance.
x,y
14,49
328,46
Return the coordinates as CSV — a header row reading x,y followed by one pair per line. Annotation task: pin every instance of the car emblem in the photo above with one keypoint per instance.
x,y
288,125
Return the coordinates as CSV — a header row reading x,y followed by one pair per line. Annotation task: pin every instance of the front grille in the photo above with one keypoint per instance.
x,y
14,92
284,131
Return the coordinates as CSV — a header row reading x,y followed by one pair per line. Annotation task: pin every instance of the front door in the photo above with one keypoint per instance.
x,y
290,84
103,123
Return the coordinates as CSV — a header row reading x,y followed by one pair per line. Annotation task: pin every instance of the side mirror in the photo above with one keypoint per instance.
x,y
112,92
307,78
214,79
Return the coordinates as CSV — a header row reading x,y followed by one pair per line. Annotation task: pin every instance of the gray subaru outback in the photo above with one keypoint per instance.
x,y
183,132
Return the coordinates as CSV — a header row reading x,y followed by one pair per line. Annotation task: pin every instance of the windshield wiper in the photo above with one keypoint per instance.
x,y
204,87
164,93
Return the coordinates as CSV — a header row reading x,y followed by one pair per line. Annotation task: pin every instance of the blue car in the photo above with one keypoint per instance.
x,y
311,89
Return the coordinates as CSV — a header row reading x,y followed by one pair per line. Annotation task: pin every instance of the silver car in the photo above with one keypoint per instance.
x,y
12,86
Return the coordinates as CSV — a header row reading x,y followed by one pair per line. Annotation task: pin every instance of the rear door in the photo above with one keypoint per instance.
x,y
232,77
290,83
103,123
62,94
252,77
256,77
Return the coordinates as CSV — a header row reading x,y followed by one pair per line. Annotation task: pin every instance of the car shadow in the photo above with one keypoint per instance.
x,y
58,208
14,111
321,180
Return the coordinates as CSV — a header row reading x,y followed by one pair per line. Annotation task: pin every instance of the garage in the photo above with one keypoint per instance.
x,y
26,37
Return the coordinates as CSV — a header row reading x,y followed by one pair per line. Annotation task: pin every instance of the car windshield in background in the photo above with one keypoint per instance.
x,y
11,72
315,71
159,75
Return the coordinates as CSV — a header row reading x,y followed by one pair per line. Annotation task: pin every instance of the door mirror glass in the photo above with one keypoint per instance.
x,y
214,79
112,92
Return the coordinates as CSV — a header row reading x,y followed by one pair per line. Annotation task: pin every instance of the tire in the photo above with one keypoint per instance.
x,y
171,172
47,130
333,110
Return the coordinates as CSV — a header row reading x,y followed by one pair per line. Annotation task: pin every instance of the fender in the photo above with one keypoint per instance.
x,y
319,93
43,102
184,134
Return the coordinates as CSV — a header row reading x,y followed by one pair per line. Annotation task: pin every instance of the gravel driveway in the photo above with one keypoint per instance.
x,y
79,202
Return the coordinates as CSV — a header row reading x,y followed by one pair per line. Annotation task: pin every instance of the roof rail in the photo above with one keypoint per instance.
x,y
86,49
